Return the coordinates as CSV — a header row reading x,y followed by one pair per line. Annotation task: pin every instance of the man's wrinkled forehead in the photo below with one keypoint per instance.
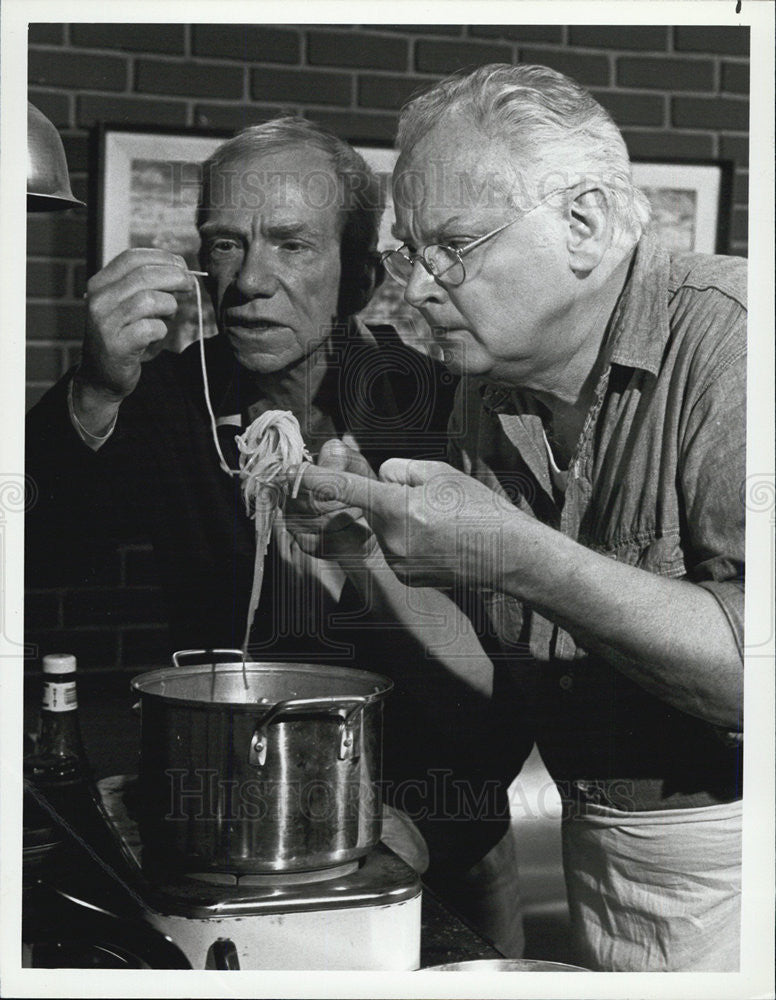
x,y
294,179
456,168
460,168
447,184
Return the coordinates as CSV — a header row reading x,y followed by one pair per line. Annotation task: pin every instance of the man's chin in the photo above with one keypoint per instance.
x,y
451,348
264,364
454,356
266,355
260,358
453,361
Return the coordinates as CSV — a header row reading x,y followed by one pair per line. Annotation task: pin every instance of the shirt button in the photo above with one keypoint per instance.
x,y
566,682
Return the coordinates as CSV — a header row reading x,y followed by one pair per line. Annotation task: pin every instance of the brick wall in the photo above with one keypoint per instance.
x,y
674,91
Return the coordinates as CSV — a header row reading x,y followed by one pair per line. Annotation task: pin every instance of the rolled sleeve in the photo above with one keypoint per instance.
x,y
730,597
713,472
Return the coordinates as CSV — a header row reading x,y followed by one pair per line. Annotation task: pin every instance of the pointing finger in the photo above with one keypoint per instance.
x,y
328,485
335,454
413,472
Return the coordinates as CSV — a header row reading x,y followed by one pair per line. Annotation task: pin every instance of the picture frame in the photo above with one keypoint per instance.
x,y
690,202
148,183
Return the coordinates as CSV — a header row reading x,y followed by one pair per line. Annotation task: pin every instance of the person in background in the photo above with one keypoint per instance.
x,y
591,499
122,447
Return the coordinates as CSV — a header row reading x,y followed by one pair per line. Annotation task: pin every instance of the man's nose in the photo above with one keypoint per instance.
x,y
258,272
422,288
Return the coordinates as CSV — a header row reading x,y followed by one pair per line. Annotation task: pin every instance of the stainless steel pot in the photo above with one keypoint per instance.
x,y
259,767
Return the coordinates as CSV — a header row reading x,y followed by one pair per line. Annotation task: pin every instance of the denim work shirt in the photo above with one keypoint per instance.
x,y
655,482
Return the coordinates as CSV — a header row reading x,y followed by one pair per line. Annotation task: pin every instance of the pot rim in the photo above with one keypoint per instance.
x,y
381,685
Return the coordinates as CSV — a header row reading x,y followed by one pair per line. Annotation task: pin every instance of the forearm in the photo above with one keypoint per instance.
x,y
669,636
427,624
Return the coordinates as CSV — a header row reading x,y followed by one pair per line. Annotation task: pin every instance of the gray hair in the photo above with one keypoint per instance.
x,y
557,130
359,193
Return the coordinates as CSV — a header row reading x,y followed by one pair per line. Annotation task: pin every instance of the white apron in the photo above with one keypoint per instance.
x,y
655,891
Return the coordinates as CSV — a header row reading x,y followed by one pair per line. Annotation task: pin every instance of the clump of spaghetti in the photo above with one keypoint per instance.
x,y
269,450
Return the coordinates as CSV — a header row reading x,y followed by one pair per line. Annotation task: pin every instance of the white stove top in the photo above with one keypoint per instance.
x,y
358,917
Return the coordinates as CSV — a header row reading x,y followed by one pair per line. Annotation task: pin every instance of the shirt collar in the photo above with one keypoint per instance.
x,y
639,329
496,398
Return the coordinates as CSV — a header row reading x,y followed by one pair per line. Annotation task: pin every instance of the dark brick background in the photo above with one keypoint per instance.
x,y
675,91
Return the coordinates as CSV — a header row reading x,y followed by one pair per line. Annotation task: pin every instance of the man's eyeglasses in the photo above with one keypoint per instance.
x,y
442,261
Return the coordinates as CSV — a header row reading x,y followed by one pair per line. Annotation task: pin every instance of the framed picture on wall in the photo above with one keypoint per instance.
x,y
148,186
690,202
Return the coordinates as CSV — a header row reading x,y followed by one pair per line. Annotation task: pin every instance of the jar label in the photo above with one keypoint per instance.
x,y
59,697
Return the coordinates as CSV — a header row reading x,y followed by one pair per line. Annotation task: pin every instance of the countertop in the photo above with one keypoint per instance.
x,y
446,937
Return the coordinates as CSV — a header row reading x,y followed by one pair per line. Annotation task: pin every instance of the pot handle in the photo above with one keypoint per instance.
x,y
222,954
346,707
203,655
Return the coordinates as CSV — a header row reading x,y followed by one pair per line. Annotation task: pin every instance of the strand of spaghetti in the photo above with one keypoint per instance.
x,y
214,432
201,337
298,480
269,449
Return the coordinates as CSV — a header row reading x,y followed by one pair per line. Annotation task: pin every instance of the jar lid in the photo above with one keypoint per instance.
x,y
59,663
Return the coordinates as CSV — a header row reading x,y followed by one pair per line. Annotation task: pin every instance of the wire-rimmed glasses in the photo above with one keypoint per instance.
x,y
441,260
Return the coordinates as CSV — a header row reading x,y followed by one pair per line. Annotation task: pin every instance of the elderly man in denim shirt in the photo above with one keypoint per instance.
x,y
590,517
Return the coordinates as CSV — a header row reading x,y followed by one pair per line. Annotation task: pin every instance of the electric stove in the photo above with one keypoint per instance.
x,y
364,915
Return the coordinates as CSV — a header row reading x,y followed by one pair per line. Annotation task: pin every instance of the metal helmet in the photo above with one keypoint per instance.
x,y
48,181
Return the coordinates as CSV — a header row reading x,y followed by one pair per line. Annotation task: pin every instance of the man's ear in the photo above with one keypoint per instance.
x,y
589,229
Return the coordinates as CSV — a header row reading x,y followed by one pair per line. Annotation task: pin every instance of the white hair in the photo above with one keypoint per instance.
x,y
559,134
